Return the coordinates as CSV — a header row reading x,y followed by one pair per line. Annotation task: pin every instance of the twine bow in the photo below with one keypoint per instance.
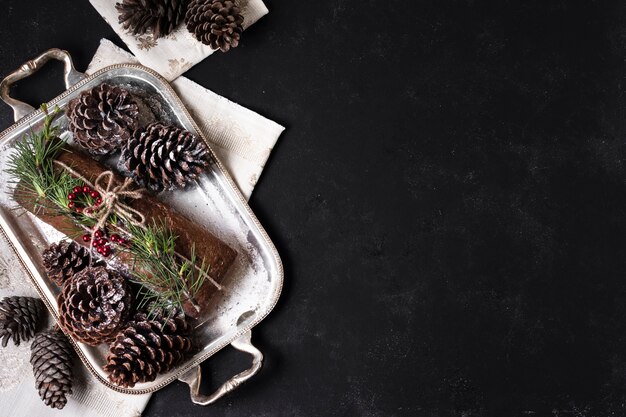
x,y
111,201
111,198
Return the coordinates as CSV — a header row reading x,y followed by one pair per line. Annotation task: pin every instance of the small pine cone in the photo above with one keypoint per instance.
x,y
63,260
102,119
148,347
51,357
159,17
93,305
162,157
19,318
217,23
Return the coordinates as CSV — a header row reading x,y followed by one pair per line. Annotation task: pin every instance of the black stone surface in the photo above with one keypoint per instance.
x,y
449,199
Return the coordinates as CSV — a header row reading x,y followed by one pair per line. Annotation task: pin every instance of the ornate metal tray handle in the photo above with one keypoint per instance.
x,y
70,76
193,378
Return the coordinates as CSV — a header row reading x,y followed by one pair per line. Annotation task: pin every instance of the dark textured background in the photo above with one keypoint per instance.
x,y
448,199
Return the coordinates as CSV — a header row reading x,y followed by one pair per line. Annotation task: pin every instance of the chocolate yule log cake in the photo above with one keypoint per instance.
x,y
208,248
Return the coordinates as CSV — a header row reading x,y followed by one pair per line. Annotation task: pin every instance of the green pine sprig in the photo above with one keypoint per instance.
x,y
167,280
31,165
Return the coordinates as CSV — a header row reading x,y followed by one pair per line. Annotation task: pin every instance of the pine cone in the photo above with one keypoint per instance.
x,y
102,119
160,17
63,260
148,347
51,357
215,22
19,317
93,305
164,157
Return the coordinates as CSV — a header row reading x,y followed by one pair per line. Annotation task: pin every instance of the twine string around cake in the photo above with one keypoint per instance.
x,y
111,200
111,196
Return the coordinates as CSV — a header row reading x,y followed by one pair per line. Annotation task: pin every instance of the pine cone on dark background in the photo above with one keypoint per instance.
x,y
93,305
63,260
51,357
159,17
148,347
217,23
164,157
102,119
19,318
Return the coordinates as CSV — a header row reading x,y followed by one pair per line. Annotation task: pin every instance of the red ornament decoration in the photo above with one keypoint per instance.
x,y
93,199
101,243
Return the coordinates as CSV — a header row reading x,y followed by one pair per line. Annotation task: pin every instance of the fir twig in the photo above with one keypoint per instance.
x,y
32,169
32,164
167,280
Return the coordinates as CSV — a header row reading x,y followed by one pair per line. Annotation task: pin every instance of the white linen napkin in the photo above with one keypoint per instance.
x,y
174,54
241,139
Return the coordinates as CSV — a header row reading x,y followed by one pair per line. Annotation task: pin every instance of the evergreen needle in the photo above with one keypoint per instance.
x,y
167,280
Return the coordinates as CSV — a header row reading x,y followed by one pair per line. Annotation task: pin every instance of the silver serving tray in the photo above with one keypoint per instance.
x,y
252,285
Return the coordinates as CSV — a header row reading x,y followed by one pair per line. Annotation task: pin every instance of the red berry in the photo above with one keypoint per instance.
x,y
106,251
94,194
71,204
89,210
98,234
98,201
102,241
86,189
71,196
100,250
78,189
79,210
86,238
95,244
115,238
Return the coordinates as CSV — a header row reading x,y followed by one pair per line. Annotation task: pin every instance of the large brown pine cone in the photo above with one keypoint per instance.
x,y
148,347
62,260
162,157
217,23
93,305
102,119
51,357
159,17
19,318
